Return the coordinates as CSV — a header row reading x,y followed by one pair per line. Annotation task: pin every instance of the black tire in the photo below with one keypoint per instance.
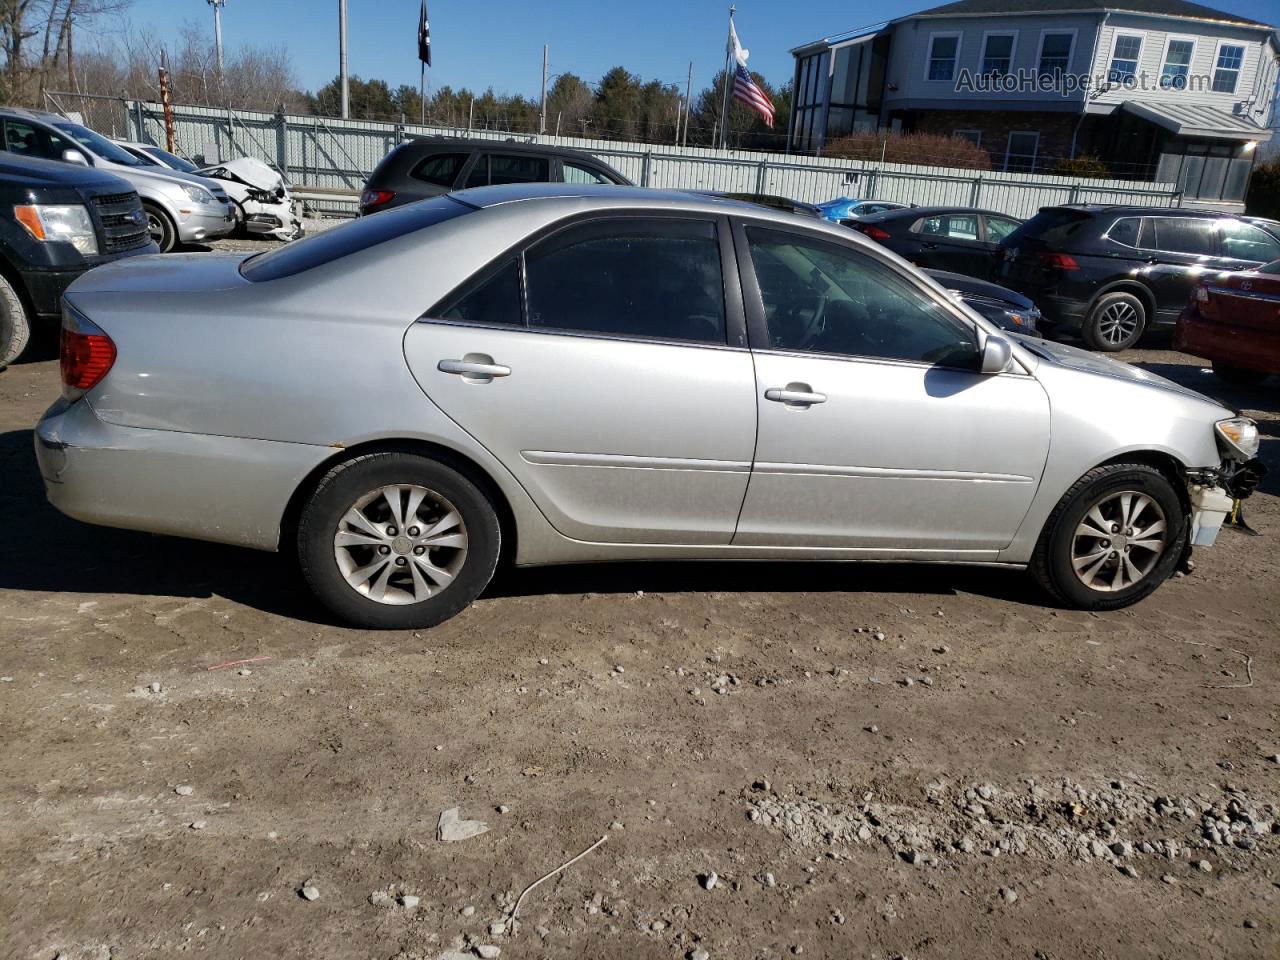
x,y
1238,375
1107,328
241,228
1052,563
15,326
343,487
161,228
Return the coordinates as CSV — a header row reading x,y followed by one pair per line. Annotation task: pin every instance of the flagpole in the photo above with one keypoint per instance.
x,y
422,90
728,79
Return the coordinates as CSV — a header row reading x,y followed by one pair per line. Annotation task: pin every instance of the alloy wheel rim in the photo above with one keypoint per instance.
x,y
1118,322
400,544
1118,541
155,228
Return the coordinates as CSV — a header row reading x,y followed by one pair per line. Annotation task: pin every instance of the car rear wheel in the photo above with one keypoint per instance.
x,y
15,328
1116,322
1114,537
1238,375
397,541
161,228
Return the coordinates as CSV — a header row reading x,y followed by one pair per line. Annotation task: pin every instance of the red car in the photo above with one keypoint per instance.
x,y
1234,321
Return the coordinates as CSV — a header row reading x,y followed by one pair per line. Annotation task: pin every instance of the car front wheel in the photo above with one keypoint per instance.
x,y
1114,537
1116,322
15,328
161,228
397,541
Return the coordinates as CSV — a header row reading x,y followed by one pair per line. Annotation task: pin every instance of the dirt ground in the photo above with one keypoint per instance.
x,y
1044,787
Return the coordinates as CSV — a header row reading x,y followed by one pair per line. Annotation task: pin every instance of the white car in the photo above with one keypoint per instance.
x,y
263,204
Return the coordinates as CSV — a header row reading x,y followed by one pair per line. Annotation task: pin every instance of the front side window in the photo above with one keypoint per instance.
x,y
1226,71
1184,235
1243,241
172,161
997,53
441,169
1055,53
658,278
1124,58
956,226
1177,64
821,297
1021,151
31,141
944,50
495,169
577,173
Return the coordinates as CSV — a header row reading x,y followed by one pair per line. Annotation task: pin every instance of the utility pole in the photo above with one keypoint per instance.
x,y
688,91
342,58
728,82
542,110
217,29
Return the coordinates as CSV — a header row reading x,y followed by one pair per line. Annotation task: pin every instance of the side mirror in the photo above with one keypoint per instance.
x,y
996,354
75,156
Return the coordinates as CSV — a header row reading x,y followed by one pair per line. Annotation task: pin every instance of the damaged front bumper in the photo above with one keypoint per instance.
x,y
1217,494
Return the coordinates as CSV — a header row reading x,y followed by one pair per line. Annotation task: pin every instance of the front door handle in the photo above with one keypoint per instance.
x,y
795,395
474,367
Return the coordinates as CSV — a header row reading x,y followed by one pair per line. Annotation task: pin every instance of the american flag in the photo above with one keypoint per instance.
x,y
744,88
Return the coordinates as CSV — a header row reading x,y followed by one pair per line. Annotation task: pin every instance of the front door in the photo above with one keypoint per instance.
x,y
611,392
1180,251
876,430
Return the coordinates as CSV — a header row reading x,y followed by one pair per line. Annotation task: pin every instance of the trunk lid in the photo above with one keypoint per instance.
x,y
1247,299
163,273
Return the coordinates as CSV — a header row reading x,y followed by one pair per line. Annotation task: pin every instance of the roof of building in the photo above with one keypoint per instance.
x,y
1163,8
1194,120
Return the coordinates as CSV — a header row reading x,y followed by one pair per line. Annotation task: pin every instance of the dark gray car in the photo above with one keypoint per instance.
x,y
432,166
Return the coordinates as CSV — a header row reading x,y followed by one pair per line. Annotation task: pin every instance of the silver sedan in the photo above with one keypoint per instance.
x,y
554,373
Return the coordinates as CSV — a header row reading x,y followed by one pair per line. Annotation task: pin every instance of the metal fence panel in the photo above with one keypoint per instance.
x,y
332,154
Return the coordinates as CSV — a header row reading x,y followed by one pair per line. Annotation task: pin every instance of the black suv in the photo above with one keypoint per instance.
x,y
1112,272
57,220
431,166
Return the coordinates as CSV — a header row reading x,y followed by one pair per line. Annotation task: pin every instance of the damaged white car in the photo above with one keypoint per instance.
x,y
263,204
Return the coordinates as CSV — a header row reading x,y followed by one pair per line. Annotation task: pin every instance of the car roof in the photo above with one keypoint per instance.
x,y
1114,209
44,115
903,212
38,171
472,143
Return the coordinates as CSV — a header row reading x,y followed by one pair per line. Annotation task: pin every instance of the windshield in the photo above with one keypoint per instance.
x,y
101,146
174,161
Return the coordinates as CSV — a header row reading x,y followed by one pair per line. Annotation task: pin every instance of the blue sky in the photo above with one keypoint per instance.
x,y
498,43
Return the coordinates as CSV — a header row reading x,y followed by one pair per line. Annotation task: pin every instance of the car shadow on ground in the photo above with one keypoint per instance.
x,y
47,552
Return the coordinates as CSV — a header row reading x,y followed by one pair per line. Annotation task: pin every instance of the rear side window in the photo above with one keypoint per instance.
x,y
954,226
360,234
1243,241
442,169
1055,226
657,278
999,227
492,298
1126,231
580,173
496,169
1184,235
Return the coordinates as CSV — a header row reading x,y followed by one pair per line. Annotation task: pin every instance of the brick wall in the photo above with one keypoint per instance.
x,y
1055,130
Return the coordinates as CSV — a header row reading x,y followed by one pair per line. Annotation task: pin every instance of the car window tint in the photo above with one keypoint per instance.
x,y
353,236
1243,241
442,169
1184,235
32,141
1125,231
1053,225
494,297
825,298
636,278
577,173
998,228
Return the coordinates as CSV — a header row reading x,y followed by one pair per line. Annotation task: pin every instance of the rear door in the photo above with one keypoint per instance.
x,y
606,366
952,241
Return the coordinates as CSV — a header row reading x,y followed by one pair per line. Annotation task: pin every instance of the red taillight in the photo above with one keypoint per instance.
x,y
875,233
87,354
1058,261
372,199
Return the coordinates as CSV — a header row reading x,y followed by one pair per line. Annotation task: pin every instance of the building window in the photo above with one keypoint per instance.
x,y
1177,64
1124,58
810,82
973,136
944,52
997,52
1226,71
1055,51
1020,155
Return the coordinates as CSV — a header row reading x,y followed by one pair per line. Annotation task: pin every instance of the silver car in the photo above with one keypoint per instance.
x,y
558,373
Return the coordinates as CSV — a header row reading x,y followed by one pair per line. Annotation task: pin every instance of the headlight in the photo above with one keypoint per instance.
x,y
68,223
1239,435
197,194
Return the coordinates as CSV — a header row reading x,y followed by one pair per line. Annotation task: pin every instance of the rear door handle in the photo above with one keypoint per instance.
x,y
477,369
792,396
